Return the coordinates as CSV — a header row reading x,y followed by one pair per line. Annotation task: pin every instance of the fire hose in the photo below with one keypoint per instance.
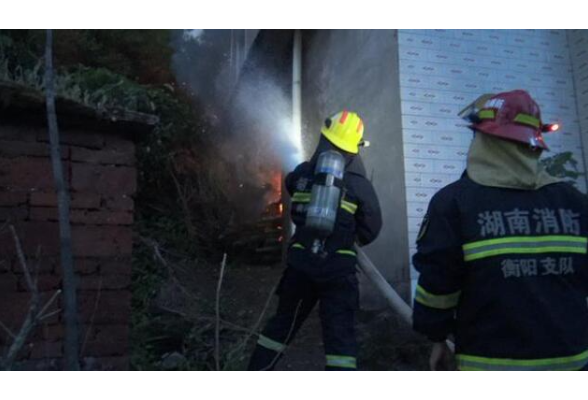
x,y
392,297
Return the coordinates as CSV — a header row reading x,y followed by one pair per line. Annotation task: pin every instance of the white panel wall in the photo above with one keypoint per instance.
x,y
441,71
578,40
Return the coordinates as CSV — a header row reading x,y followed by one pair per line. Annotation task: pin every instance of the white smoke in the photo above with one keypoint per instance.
x,y
194,34
263,111
259,109
252,112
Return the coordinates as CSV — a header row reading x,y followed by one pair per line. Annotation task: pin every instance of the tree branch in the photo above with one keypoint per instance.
x,y
34,313
217,309
70,314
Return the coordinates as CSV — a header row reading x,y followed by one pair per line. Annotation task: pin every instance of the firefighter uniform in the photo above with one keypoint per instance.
x,y
328,277
505,270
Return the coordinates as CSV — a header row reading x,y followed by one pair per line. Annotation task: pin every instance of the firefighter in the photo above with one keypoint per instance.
x,y
502,252
327,277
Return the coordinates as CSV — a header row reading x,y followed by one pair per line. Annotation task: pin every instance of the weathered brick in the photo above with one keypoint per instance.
x,y
11,149
105,307
102,241
76,138
119,143
45,283
42,364
33,235
88,241
22,133
12,214
78,200
44,214
104,282
101,217
107,340
42,265
120,203
53,332
106,180
14,315
116,267
119,363
52,266
86,266
26,173
104,156
43,199
85,200
9,199
8,283
5,264
46,350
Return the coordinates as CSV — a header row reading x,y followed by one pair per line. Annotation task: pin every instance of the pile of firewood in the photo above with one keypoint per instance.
x,y
261,242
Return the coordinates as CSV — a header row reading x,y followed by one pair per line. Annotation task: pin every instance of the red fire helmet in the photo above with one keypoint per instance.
x,y
514,116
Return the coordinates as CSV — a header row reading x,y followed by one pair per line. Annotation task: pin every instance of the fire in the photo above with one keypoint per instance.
x,y
273,195
276,183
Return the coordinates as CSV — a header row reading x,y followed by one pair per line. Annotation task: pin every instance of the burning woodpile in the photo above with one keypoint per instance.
x,y
262,241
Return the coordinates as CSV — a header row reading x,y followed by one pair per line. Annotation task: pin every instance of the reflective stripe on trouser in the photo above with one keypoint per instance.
x,y
440,301
296,301
525,245
298,294
476,363
342,362
271,344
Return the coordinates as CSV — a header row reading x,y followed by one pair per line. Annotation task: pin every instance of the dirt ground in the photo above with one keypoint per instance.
x,y
385,343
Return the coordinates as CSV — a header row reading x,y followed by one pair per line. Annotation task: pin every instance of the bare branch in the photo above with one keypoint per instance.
x,y
157,250
47,316
93,317
49,303
7,330
217,309
22,261
34,314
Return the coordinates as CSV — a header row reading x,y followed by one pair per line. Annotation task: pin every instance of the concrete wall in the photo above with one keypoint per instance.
x,y
358,70
441,71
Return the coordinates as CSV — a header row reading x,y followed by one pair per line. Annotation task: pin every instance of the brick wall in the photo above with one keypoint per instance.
x,y
100,169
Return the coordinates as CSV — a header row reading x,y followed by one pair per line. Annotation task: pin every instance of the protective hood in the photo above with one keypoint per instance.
x,y
353,162
505,164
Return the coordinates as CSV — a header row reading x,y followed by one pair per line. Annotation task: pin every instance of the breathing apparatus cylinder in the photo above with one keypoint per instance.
x,y
325,196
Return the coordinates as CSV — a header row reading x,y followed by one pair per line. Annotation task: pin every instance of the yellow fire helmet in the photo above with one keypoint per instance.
x,y
345,131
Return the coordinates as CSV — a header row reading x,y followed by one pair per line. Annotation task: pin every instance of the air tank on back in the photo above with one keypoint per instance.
x,y
326,193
